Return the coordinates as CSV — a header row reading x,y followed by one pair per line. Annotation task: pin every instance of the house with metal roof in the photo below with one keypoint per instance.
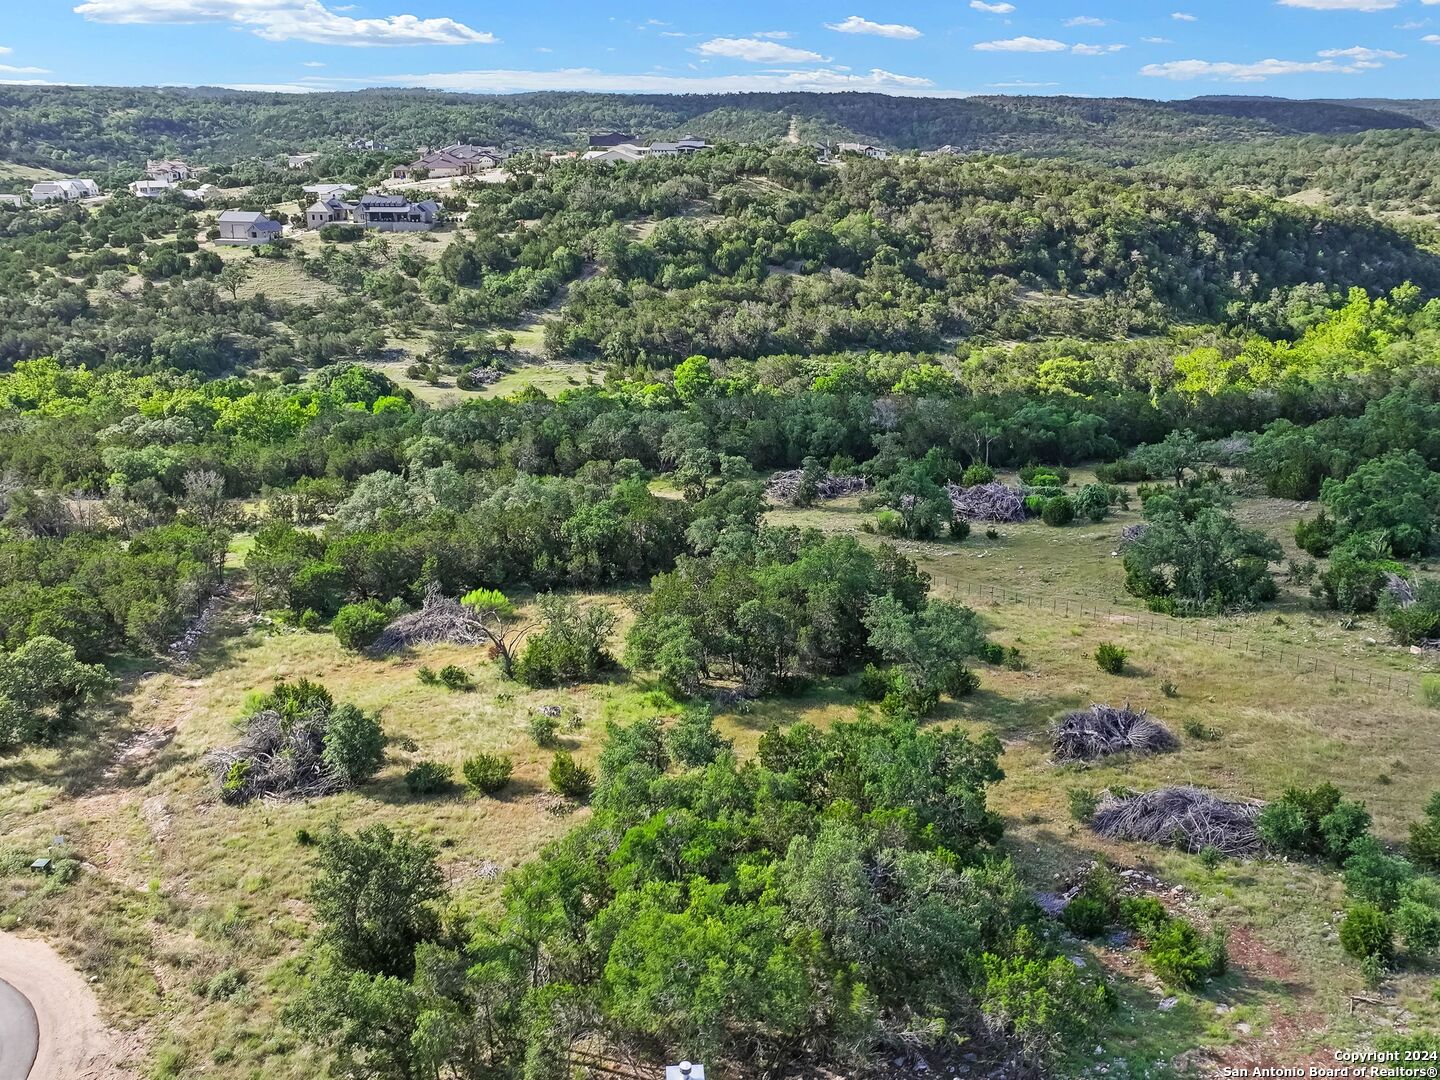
x,y
246,227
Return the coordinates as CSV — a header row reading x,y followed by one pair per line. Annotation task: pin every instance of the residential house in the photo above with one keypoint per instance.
x,y
247,227
367,144
328,210
623,153
47,191
150,189
395,213
688,144
326,190
876,152
944,151
204,191
300,161
12,200
612,138
172,171
457,159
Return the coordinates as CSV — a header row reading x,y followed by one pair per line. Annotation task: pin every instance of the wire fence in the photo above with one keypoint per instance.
x,y
1281,658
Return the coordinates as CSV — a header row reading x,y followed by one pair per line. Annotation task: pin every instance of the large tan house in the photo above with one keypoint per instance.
x,y
458,159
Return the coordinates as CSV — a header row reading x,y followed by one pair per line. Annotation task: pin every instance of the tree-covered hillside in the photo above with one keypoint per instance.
x,y
95,128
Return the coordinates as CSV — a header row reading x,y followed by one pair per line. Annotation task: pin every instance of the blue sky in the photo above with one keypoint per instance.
x,y
1294,48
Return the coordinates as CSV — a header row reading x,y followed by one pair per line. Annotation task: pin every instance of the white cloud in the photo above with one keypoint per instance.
x,y
856,25
1095,50
1431,39
1018,85
510,81
757,51
273,88
1086,20
1341,5
1352,61
1023,44
313,64
8,70
1184,16
5,49
1157,41
776,35
1361,57
289,20
993,9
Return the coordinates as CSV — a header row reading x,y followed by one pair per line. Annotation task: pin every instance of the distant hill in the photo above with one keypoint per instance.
x,y
97,128
1305,117
1426,110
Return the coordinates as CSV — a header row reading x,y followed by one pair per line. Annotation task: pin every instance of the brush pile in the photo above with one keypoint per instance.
x,y
440,620
1102,730
276,758
1400,589
1183,817
785,487
987,502
1132,534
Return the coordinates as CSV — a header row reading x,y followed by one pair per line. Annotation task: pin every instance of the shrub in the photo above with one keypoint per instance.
x,y
1085,916
1430,690
1199,730
1211,856
1143,914
1093,501
693,741
1373,877
1058,511
428,778
487,773
544,728
454,677
1343,828
354,743
1419,927
357,625
1184,957
571,779
874,682
1425,836
1366,931
1316,536
1045,475
1111,658
1313,821
959,528
1035,505
1083,802
977,474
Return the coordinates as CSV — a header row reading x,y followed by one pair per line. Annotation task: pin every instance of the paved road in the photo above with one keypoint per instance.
x,y
19,1034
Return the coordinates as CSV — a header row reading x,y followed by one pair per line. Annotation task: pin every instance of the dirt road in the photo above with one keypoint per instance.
x,y
73,1042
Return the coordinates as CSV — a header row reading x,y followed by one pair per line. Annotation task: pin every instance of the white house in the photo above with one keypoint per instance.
x,y
395,213
687,144
625,153
150,189
172,171
247,227
299,161
12,200
876,152
63,191
328,210
326,190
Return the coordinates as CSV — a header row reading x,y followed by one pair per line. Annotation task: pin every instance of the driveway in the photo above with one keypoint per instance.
x,y
47,1002
19,1034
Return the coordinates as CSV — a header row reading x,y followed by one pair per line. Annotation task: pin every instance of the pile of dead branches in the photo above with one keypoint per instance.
x,y
1134,533
440,620
276,758
1400,589
1183,817
785,486
987,502
1102,730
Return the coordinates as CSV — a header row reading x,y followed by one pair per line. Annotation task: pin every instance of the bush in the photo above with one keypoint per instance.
x,y
977,474
1418,926
693,741
1085,916
1045,475
1316,536
357,625
1111,658
428,778
354,743
454,677
1430,690
544,728
1093,501
1199,730
1343,828
1083,802
1425,836
487,773
1373,877
571,779
1183,957
874,682
959,528
1143,914
1313,821
1058,511
1035,505
1366,931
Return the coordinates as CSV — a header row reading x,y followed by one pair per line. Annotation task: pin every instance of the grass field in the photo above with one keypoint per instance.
x,y
181,888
